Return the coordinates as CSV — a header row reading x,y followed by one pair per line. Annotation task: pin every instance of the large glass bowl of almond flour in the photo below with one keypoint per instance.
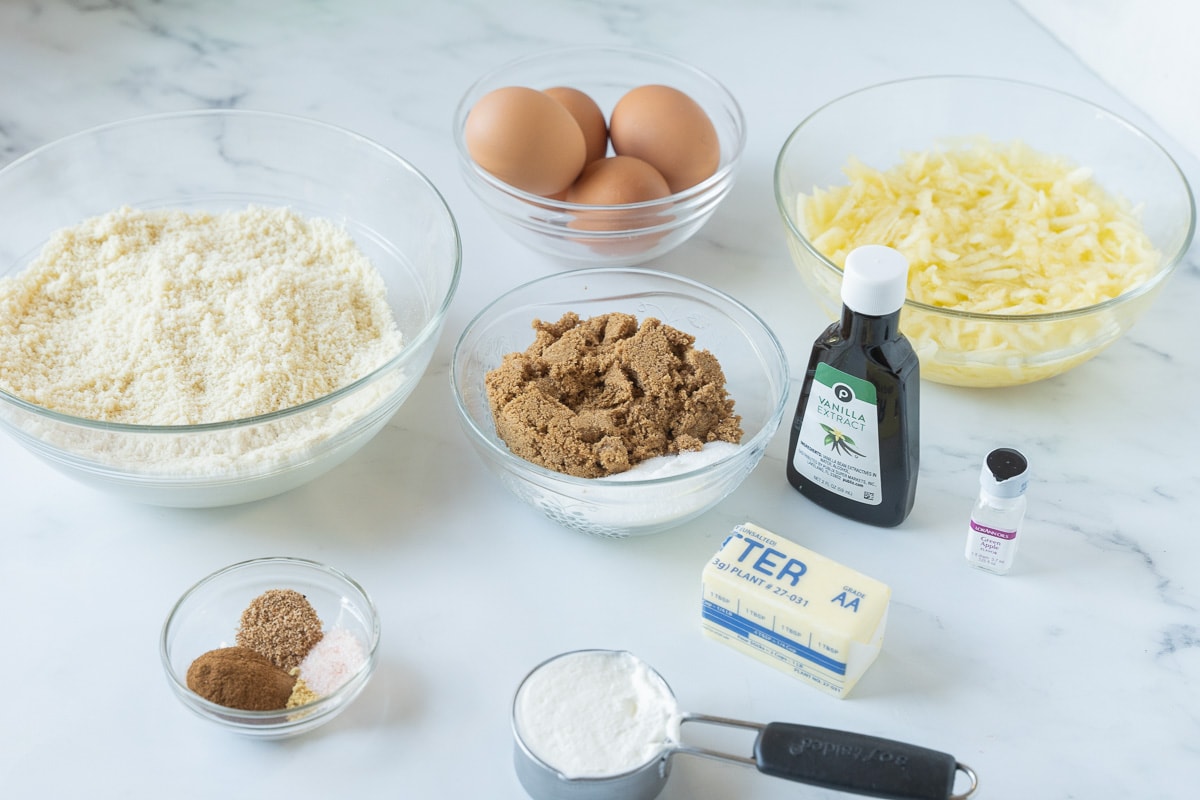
x,y
212,307
657,493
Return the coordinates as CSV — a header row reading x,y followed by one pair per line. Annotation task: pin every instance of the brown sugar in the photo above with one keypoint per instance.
x,y
595,397
282,625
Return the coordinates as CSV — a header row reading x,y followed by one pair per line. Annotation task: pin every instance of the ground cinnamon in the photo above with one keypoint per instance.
x,y
596,397
238,677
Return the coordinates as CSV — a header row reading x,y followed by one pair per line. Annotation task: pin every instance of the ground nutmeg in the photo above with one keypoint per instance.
x,y
282,625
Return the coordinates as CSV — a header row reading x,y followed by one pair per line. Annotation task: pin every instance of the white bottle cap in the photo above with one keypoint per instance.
x,y
1005,473
875,280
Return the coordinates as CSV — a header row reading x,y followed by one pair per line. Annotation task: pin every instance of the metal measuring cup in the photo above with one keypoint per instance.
x,y
832,759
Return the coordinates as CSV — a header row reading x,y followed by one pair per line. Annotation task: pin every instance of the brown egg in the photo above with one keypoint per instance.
x,y
589,116
525,138
605,186
617,180
663,126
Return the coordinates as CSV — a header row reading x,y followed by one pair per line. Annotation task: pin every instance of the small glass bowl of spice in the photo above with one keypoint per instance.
x,y
271,647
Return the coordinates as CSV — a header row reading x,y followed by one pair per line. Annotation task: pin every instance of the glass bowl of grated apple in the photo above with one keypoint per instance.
x,y
1038,226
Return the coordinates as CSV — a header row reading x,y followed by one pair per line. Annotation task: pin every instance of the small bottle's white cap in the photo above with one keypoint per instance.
x,y
875,280
1005,473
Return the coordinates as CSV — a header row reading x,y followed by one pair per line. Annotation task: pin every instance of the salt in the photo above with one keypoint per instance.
x,y
332,661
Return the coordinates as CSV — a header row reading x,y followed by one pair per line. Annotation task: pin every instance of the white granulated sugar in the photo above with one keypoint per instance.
x,y
177,318
676,464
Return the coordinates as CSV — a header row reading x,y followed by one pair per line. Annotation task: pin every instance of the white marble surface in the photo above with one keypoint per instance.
x,y
1076,676
1142,49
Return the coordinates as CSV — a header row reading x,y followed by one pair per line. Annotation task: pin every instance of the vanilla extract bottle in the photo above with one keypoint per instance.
x,y
855,439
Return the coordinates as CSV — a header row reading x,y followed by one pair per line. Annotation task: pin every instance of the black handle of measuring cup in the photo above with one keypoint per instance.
x,y
853,762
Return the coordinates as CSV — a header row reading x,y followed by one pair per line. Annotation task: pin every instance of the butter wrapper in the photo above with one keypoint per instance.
x,y
794,609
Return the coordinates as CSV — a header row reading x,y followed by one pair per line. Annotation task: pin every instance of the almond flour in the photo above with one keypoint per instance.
x,y
178,318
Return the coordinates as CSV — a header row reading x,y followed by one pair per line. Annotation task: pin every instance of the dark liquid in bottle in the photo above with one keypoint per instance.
x,y
873,349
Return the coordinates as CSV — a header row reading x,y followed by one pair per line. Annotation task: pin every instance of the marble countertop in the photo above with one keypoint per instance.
x,y
1075,676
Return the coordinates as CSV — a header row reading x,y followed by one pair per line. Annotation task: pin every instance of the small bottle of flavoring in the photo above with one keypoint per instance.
x,y
995,520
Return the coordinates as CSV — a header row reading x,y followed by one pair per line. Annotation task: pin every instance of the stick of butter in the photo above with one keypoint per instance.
x,y
794,609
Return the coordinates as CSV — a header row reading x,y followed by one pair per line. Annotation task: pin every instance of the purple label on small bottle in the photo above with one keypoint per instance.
x,y
999,534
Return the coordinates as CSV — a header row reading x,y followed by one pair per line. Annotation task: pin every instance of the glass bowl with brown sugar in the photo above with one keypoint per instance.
x,y
615,460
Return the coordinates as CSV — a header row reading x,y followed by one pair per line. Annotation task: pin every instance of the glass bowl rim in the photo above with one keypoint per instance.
x,y
436,319
544,476
236,716
1169,263
721,176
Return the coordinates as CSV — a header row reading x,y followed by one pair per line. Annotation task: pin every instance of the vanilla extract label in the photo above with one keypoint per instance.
x,y
838,443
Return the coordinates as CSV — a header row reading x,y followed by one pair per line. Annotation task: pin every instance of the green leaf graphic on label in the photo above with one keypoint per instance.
x,y
839,442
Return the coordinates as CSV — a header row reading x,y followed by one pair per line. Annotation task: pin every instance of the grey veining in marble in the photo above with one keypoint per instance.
x,y
1075,676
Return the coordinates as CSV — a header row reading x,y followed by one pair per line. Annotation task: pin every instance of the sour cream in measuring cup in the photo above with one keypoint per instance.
x,y
596,713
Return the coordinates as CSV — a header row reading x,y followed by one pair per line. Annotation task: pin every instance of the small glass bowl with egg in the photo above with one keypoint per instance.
x,y
557,181
662,492
1024,213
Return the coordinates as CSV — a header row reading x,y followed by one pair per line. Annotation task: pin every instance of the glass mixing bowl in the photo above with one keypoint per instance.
x,y
878,125
226,160
587,235
752,359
